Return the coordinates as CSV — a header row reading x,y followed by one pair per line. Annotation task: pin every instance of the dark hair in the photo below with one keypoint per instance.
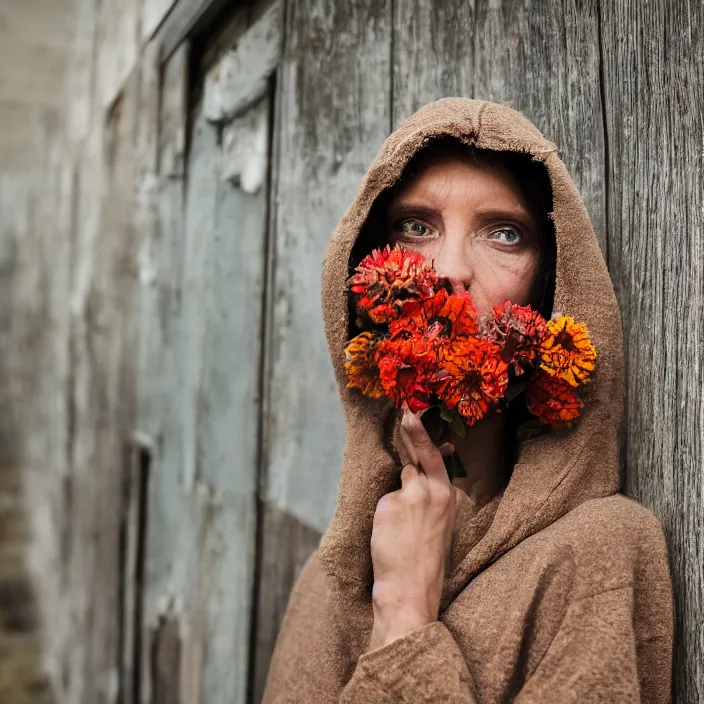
x,y
532,179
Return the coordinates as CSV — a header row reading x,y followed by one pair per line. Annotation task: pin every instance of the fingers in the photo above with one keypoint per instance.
x,y
446,449
429,457
408,444
408,473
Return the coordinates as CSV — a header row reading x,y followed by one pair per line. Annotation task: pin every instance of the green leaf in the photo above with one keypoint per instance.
x,y
455,421
446,414
454,467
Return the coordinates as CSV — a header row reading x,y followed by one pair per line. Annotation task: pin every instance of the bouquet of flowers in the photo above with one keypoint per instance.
x,y
423,346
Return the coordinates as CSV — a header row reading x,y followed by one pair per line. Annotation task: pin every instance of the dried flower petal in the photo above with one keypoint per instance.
x,y
518,331
406,366
567,352
361,365
471,378
552,400
443,316
388,278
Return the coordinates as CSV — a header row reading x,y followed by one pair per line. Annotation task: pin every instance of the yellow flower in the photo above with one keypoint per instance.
x,y
566,352
361,365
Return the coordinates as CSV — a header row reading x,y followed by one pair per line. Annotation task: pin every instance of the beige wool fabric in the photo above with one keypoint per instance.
x,y
559,589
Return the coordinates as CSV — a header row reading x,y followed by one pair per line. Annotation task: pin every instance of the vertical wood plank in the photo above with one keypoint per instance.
x,y
203,506
229,419
433,53
158,409
117,50
180,536
103,342
654,81
334,105
286,545
539,59
333,113
140,447
153,14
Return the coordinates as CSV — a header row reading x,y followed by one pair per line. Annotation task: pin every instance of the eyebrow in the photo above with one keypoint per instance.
x,y
521,214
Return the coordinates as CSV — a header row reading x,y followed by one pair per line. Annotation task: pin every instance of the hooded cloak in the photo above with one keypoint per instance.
x,y
558,589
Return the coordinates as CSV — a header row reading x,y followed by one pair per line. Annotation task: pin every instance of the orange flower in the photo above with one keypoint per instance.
x,y
443,316
567,352
361,365
471,378
518,331
387,278
405,368
552,400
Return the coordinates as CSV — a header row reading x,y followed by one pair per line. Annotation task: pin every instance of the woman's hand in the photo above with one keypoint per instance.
x,y
411,539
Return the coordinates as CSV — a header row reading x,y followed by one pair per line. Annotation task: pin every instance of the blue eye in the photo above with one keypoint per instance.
x,y
414,228
506,235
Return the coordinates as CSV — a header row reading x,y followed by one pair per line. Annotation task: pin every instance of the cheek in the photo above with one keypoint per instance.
x,y
503,276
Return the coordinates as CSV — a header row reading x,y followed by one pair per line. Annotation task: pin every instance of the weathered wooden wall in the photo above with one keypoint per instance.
x,y
166,298
34,51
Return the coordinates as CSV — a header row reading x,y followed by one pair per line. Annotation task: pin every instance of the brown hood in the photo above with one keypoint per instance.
x,y
555,472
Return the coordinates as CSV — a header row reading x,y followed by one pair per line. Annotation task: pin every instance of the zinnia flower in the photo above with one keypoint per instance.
x,y
567,352
405,367
552,400
387,278
443,316
361,365
518,331
471,378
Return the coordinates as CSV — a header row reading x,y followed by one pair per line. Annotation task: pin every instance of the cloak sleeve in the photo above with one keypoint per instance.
x,y
425,665
597,654
594,657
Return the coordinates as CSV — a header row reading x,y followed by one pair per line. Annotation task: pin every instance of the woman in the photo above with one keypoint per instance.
x,y
532,579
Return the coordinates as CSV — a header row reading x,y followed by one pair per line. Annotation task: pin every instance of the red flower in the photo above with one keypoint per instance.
x,y
471,378
405,368
443,316
388,278
552,400
518,331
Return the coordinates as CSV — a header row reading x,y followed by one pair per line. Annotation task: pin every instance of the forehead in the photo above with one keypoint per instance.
x,y
446,159
448,170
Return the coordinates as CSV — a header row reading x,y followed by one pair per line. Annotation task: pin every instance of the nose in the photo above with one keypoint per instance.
x,y
452,260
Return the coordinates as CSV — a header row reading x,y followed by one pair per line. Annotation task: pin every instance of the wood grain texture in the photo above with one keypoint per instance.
x,y
654,85
117,48
287,544
154,12
334,115
100,402
203,505
540,61
159,412
241,75
185,17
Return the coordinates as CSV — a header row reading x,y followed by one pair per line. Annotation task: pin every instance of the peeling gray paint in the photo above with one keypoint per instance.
x,y
241,77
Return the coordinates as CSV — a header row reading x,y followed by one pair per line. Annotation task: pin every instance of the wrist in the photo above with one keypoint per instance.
x,y
392,625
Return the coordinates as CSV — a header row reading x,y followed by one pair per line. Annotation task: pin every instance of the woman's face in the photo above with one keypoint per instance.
x,y
471,218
